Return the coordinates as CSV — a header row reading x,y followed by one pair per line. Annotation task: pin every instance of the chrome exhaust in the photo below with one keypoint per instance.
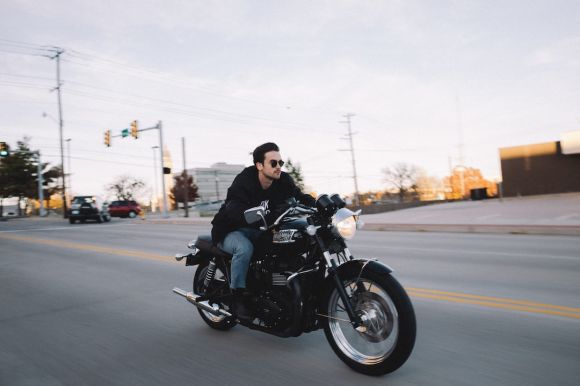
x,y
203,305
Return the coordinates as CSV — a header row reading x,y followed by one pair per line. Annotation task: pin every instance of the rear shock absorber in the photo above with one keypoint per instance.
x,y
209,274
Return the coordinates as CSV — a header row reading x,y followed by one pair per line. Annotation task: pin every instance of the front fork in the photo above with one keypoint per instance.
x,y
333,271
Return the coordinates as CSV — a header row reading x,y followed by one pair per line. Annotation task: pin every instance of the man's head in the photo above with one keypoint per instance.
x,y
268,161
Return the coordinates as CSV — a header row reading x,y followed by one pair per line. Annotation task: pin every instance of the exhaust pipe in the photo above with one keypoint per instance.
x,y
203,305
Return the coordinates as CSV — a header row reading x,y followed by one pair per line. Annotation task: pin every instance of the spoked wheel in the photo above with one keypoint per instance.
x,y
217,322
388,335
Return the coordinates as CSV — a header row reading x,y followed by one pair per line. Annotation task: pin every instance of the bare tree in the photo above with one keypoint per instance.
x,y
403,177
125,187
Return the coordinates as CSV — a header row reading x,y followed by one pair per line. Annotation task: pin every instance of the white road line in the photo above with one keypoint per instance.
x,y
468,252
69,228
568,216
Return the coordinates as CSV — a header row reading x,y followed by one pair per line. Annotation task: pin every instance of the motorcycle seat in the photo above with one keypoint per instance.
x,y
205,244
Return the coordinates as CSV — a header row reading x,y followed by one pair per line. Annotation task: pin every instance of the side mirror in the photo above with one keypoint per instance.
x,y
253,215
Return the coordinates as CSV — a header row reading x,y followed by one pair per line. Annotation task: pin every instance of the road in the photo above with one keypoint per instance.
x,y
92,304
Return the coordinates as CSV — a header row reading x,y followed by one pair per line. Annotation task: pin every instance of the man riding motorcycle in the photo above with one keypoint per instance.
x,y
263,184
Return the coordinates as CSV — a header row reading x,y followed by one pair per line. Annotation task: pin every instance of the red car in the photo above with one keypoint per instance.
x,y
124,209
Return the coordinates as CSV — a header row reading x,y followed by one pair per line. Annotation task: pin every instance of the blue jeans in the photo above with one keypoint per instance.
x,y
240,243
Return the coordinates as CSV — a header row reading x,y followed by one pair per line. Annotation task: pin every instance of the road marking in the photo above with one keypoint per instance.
x,y
69,228
88,247
487,217
422,293
493,302
469,252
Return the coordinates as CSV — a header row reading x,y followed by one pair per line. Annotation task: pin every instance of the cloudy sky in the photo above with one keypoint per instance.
x,y
421,77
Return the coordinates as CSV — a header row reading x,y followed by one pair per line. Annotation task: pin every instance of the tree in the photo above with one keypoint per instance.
x,y
177,193
295,171
125,187
403,177
18,173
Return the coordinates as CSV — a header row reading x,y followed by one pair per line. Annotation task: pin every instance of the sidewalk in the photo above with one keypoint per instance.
x,y
546,214
557,214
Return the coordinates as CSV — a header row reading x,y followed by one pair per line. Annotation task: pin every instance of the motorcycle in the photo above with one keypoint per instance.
x,y
303,278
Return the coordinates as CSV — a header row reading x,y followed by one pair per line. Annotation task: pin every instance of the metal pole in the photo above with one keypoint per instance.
x,y
217,185
348,116
160,127
185,182
155,195
41,211
59,52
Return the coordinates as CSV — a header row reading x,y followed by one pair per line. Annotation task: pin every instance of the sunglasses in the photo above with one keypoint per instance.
x,y
274,163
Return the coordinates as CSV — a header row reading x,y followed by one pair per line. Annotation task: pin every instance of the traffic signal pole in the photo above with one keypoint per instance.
x,y
134,133
160,128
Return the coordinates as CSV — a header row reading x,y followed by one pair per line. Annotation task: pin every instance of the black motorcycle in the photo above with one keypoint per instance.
x,y
303,277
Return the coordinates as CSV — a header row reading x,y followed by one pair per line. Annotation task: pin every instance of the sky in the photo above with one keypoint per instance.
x,y
430,83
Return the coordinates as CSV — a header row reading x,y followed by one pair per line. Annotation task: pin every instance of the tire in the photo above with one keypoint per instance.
x,y
222,323
391,330
99,219
132,214
107,218
71,220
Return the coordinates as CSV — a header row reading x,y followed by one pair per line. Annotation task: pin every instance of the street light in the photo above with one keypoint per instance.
x,y
63,191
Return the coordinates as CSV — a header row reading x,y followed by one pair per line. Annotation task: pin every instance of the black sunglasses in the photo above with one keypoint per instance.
x,y
274,162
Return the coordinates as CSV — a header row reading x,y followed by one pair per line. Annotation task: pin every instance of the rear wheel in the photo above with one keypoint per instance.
x,y
218,322
388,319
71,220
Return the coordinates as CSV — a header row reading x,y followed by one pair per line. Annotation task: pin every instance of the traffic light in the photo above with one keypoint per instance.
x,y
4,151
108,138
134,130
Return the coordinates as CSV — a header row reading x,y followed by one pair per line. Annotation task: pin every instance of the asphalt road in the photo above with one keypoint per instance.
x,y
92,304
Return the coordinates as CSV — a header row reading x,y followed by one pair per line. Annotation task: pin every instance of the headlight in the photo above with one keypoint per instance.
x,y
344,223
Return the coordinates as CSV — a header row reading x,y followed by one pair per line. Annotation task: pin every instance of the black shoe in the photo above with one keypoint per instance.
x,y
241,304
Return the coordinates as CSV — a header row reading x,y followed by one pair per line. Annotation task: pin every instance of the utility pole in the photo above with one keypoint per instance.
x,y
349,137
185,181
68,165
57,54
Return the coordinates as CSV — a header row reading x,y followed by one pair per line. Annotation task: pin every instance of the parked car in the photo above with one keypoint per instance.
x,y
124,208
88,208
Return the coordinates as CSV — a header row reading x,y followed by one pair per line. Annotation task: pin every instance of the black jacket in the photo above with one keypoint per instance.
x,y
245,193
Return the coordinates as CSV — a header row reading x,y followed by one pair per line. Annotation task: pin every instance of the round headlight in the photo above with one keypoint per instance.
x,y
346,228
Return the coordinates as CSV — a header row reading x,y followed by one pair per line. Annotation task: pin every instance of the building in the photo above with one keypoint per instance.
x,y
542,168
213,182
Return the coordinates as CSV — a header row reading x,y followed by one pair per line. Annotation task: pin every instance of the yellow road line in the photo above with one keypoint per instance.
x,y
424,293
87,247
495,305
492,299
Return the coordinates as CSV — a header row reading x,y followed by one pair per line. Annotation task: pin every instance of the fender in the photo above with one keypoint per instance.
x,y
356,266
197,257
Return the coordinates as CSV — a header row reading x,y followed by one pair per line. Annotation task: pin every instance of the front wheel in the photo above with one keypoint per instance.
x,y
388,320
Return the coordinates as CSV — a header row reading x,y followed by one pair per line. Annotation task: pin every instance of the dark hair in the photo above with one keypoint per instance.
x,y
260,152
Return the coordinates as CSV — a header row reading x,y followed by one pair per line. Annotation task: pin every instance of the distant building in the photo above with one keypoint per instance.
x,y
463,180
542,168
213,182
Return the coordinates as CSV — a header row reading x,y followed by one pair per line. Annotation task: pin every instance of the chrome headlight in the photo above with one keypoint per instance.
x,y
344,223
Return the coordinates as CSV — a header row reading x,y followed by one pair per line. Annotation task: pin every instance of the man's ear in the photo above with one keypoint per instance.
x,y
259,166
